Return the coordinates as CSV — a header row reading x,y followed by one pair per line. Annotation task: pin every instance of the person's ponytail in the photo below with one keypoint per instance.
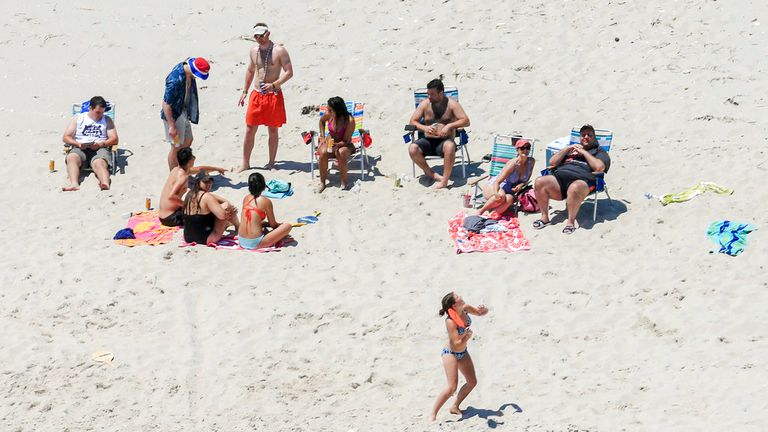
x,y
447,303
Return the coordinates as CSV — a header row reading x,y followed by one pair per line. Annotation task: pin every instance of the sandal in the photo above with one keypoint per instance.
x,y
539,224
569,229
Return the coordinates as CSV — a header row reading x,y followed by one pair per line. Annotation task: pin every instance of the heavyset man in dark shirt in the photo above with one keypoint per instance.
x,y
573,177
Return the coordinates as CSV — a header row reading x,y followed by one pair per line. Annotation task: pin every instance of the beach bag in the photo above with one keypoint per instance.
x,y
278,186
527,199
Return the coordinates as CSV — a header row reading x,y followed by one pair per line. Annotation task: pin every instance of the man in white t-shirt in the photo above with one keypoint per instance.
x,y
91,136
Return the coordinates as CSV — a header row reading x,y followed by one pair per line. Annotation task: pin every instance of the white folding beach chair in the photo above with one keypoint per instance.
x,y
109,112
412,134
360,139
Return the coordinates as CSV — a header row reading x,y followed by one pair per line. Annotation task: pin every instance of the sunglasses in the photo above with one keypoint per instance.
x,y
524,148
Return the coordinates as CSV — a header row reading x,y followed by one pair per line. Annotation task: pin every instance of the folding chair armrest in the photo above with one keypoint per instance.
x,y
548,170
410,128
598,173
477,180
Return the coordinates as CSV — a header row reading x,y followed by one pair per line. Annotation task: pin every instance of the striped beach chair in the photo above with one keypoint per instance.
x,y
604,140
419,95
503,150
109,112
360,138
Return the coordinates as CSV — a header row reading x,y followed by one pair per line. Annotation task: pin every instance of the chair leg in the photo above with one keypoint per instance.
x,y
463,165
594,211
414,169
362,162
312,158
610,201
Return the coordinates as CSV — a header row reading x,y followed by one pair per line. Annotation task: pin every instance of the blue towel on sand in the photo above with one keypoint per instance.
x,y
731,236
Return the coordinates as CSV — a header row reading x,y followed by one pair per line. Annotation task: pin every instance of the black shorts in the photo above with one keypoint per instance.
x,y
174,219
431,146
566,178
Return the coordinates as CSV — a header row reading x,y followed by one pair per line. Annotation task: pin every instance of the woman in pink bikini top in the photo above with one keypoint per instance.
x,y
341,126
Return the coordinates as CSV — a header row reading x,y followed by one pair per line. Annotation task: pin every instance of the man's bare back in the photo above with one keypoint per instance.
x,y
171,198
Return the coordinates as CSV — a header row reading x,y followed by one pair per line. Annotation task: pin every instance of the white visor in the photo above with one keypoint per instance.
x,y
260,30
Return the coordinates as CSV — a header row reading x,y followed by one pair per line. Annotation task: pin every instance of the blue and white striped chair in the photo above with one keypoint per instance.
x,y
419,95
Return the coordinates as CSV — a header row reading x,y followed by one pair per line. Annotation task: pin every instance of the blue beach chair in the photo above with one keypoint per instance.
x,y
109,112
604,140
419,95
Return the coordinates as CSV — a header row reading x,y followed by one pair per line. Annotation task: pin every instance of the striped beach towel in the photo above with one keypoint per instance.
x,y
731,236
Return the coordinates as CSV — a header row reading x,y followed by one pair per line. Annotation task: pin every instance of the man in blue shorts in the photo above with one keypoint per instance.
x,y
572,179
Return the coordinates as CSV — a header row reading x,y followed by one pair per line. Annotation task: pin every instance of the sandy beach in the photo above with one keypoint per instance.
x,y
630,324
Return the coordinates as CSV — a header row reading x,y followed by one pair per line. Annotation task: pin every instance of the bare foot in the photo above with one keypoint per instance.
x,y
270,166
104,186
432,418
344,186
320,188
441,185
243,168
71,188
455,410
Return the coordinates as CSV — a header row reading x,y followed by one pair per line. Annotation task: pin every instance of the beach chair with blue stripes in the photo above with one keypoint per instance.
x,y
360,139
604,140
419,95
79,108
503,150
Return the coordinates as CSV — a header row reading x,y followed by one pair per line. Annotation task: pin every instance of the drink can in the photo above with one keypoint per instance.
x,y
148,203
467,200
329,145
51,165
398,182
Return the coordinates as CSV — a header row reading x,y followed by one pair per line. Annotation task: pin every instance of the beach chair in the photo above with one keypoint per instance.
x,y
503,150
361,139
109,112
419,95
604,140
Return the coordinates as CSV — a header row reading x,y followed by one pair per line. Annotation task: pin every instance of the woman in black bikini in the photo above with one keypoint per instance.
x,y
341,126
455,356
206,215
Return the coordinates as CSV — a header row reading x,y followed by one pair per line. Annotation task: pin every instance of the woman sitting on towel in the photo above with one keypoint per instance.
x,y
455,355
502,190
257,216
206,215
341,126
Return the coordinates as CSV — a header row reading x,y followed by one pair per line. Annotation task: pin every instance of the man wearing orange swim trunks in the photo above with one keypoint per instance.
x,y
272,65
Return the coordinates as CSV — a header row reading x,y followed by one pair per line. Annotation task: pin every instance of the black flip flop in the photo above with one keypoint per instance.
x,y
539,224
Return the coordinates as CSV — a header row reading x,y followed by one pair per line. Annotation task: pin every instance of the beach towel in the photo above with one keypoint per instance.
x,y
731,236
231,243
148,230
510,241
278,189
693,191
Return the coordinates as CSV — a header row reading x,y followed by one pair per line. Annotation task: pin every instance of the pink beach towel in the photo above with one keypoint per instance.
x,y
511,240
148,230
231,243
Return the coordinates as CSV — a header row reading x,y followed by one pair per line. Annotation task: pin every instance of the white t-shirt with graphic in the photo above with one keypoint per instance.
x,y
89,131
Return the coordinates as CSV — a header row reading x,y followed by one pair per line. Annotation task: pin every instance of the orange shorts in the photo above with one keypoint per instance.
x,y
266,109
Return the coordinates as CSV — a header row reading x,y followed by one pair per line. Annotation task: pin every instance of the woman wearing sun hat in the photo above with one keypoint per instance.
x,y
180,104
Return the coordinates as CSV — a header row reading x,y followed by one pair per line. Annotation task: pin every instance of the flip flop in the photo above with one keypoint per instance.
x,y
569,229
308,219
539,224
103,357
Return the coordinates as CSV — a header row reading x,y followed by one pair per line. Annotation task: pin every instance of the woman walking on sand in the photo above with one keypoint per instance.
x,y
455,355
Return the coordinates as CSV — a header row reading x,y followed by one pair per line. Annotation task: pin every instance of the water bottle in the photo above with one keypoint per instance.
x,y
648,195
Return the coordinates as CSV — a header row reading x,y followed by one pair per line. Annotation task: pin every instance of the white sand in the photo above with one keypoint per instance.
x,y
629,324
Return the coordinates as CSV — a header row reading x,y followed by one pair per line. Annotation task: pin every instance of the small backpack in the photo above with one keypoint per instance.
x,y
528,201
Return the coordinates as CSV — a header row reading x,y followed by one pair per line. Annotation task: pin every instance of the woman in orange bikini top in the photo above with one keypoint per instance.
x,y
257,216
